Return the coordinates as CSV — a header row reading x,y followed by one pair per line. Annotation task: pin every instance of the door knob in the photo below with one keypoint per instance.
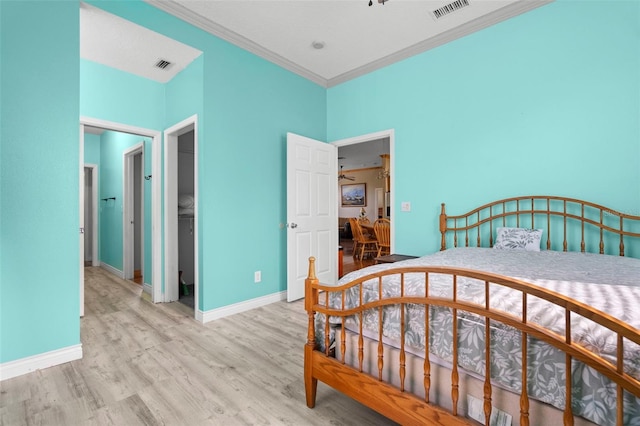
x,y
293,225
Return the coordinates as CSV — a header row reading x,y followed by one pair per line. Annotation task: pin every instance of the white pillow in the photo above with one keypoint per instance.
x,y
518,239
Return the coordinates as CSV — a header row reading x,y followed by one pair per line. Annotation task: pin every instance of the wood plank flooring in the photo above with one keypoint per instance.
x,y
147,364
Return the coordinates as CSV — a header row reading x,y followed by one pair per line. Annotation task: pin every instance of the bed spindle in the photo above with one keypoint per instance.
x,y
619,389
343,337
443,227
478,230
621,237
466,232
487,361
564,218
427,363
524,395
326,326
454,369
568,412
582,245
380,345
548,224
490,227
601,232
360,335
403,362
533,209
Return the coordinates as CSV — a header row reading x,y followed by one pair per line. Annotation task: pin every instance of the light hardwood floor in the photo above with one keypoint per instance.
x,y
147,364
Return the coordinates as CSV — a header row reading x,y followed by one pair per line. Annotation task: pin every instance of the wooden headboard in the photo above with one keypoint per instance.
x,y
600,228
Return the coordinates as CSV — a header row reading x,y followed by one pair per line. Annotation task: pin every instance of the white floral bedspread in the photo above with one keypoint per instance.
x,y
608,283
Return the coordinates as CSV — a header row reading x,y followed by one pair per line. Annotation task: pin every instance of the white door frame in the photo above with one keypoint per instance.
x,y
369,137
95,261
128,210
171,211
81,218
156,193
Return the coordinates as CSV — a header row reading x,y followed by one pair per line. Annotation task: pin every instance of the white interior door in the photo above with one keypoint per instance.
x,y
128,215
312,212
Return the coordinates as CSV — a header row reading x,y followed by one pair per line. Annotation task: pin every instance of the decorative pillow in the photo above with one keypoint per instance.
x,y
518,239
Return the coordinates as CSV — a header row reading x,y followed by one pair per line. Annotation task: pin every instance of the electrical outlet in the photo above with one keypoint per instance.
x,y
405,206
257,276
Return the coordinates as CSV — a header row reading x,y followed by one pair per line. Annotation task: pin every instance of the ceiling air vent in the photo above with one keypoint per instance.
x,y
450,8
162,64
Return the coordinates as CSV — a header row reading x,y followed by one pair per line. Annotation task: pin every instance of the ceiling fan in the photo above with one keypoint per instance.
x,y
343,176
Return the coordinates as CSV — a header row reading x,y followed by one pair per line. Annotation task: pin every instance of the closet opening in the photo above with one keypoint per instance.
x,y
181,215
186,215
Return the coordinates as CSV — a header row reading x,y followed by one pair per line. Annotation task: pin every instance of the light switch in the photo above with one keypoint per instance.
x,y
405,206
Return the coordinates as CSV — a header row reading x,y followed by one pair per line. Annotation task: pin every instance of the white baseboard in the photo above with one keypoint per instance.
x,y
114,271
236,308
147,288
19,367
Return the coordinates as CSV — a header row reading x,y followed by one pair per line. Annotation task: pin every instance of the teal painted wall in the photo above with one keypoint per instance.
x,y
39,178
116,96
92,149
545,103
244,197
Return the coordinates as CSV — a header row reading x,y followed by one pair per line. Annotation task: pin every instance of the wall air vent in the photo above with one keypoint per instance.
x,y
449,8
162,64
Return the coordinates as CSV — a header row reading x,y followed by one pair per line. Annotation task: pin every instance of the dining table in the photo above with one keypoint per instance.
x,y
367,228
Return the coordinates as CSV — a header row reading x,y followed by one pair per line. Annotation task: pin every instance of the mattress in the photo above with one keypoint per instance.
x,y
608,283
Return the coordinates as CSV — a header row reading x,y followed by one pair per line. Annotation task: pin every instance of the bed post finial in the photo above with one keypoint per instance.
x,y
443,227
312,268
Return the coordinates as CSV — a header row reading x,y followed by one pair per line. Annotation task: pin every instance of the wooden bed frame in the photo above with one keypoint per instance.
x,y
563,217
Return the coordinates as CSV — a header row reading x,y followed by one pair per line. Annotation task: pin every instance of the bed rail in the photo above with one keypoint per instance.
x,y
405,408
557,216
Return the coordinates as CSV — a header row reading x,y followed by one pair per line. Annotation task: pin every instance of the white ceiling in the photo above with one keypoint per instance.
x,y
357,38
110,40
362,155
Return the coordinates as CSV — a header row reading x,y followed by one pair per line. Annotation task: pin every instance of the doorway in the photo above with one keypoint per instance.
x,y
181,214
91,257
366,159
133,214
155,262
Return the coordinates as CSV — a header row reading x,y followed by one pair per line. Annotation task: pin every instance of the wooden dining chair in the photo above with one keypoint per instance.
x,y
363,243
382,228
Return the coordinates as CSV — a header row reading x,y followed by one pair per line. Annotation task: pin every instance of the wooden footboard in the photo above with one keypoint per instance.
x,y
395,402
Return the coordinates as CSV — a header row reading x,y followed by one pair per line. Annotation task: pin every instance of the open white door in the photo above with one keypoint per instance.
x,y
312,212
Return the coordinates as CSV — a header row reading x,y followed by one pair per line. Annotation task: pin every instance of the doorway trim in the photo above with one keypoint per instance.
x,y
128,213
369,137
95,261
171,212
156,193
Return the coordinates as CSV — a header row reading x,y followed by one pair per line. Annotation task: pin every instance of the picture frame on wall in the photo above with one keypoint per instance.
x,y
353,195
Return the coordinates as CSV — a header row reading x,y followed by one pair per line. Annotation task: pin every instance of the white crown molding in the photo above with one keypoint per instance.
x,y
236,308
198,21
507,12
19,367
235,38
